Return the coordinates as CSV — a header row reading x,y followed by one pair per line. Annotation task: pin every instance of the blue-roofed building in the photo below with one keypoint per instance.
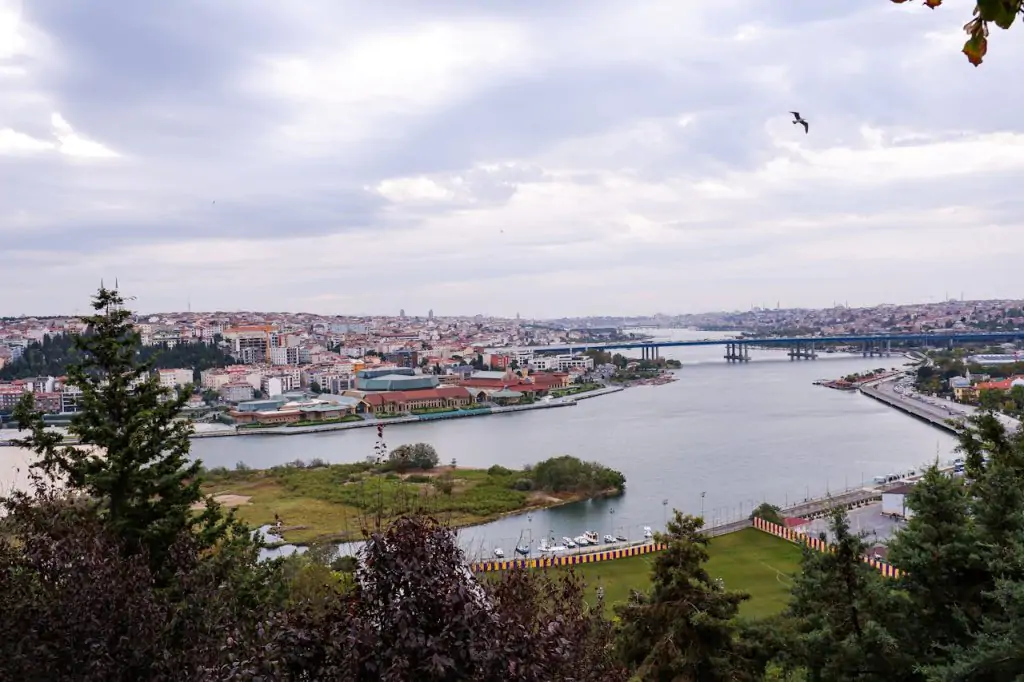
x,y
399,382
261,405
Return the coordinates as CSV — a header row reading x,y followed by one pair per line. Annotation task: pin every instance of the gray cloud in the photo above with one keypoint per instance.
x,y
495,153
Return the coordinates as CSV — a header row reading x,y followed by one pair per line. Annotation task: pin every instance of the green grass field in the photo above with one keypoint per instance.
x,y
748,560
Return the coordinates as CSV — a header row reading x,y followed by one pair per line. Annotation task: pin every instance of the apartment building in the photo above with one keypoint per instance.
x,y
9,396
285,355
236,392
172,378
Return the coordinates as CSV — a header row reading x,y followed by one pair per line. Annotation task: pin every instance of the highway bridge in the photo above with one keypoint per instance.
x,y
800,347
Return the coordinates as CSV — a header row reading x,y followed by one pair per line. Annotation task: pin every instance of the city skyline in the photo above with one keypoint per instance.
x,y
585,160
430,314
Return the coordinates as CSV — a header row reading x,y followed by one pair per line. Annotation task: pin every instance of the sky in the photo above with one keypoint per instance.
x,y
547,158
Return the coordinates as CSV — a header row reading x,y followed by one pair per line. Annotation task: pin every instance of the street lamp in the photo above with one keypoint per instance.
x,y
612,522
664,512
702,494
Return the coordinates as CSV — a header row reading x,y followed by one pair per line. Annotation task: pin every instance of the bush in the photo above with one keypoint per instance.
x,y
523,484
418,478
569,474
417,456
498,470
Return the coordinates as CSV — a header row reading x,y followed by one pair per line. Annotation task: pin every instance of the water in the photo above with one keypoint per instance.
x,y
725,437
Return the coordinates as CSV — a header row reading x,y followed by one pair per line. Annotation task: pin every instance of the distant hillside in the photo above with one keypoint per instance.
x,y
53,354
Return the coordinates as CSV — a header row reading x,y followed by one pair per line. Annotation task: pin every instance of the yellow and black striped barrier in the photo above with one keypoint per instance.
x,y
566,560
887,569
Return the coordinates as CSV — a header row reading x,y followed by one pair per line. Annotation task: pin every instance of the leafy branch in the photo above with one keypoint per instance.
x,y
1002,13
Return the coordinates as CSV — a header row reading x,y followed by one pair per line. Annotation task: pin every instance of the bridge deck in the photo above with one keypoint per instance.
x,y
938,337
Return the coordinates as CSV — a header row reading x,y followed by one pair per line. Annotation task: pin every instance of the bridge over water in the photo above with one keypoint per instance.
x,y
800,347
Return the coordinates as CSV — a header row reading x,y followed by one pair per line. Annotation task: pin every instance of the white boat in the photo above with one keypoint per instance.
x,y
592,537
548,548
609,538
499,553
648,533
569,542
523,549
581,540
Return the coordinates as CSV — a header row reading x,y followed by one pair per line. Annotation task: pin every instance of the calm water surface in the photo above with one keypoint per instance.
x,y
738,434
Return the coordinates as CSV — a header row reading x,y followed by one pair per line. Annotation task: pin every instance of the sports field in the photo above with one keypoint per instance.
x,y
748,561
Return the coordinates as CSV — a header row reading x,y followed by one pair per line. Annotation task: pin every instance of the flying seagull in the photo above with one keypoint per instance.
x,y
799,119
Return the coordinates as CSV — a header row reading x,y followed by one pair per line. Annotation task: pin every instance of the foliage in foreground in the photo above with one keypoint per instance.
x,y
1002,13
74,610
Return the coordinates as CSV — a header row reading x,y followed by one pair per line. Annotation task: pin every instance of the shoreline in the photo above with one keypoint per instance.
x,y
567,401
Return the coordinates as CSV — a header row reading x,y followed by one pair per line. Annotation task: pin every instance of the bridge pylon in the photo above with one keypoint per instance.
x,y
737,352
803,351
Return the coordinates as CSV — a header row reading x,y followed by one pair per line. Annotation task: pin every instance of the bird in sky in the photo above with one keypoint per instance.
x,y
797,118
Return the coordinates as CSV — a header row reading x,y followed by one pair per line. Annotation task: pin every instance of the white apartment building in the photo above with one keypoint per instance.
x,y
284,355
280,382
561,363
69,397
216,378
170,378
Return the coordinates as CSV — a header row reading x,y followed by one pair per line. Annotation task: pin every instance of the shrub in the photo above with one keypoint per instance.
x,y
523,484
498,470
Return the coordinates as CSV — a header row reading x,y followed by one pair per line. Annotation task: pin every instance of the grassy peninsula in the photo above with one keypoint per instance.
x,y
320,502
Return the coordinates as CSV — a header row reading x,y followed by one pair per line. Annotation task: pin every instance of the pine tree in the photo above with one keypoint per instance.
x,y
994,649
943,567
683,628
141,475
843,612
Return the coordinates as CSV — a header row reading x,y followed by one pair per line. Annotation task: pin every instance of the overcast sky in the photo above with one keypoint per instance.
x,y
548,158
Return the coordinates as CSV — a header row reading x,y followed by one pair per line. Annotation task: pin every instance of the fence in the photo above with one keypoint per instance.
x,y
568,560
887,569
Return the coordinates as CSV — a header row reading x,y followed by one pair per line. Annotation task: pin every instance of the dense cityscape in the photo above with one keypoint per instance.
x,y
409,364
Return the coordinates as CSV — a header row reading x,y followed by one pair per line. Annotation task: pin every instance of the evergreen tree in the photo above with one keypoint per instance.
x,y
841,606
683,628
994,649
943,567
140,475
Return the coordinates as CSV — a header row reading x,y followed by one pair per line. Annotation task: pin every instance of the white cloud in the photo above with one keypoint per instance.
x,y
343,95
13,142
71,143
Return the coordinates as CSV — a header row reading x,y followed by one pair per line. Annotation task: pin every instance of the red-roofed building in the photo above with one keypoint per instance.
x,y
1001,384
394,402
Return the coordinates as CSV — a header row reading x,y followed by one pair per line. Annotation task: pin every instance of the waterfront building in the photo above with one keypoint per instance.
x,y
894,501
995,358
395,402
399,382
